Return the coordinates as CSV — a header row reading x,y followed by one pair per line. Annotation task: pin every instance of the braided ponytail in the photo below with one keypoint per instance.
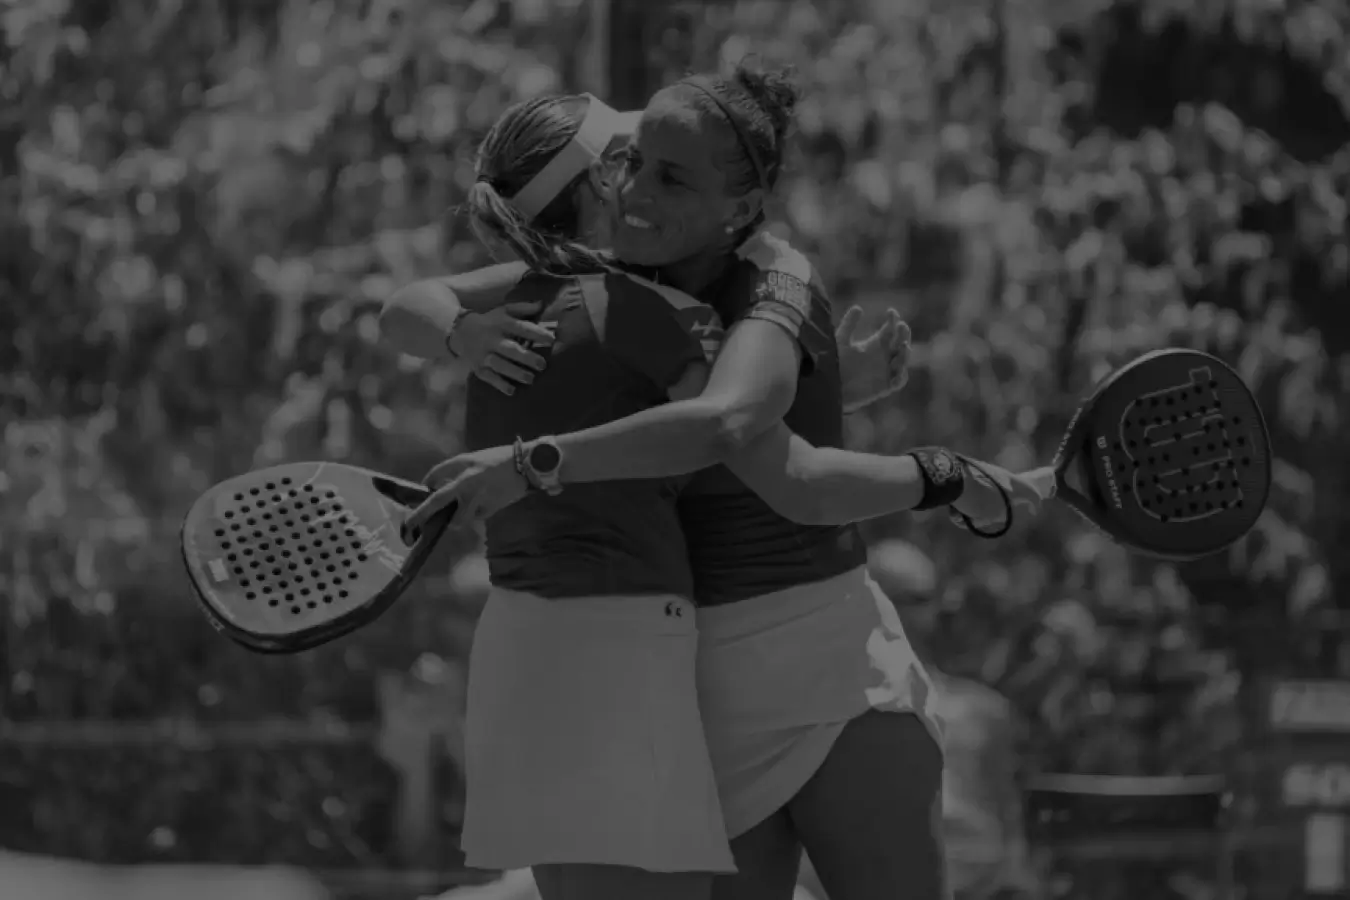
x,y
520,144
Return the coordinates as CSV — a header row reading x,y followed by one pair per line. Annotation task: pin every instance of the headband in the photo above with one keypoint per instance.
x,y
704,84
601,125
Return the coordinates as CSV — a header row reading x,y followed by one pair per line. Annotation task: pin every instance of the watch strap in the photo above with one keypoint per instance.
x,y
547,481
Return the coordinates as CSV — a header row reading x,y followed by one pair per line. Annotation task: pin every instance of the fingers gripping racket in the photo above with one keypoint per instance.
x,y
290,557
1169,456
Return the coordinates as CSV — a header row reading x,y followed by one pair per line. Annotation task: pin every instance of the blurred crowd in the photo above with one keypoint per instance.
x,y
202,206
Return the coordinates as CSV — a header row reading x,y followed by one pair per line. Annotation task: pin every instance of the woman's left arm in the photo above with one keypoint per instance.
x,y
825,485
828,486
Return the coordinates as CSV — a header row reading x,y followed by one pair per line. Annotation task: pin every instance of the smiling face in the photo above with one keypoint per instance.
x,y
672,201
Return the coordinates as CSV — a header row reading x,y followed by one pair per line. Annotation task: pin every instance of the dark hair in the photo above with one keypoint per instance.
x,y
762,104
519,145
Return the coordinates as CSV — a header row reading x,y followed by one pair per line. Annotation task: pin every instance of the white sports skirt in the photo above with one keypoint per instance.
x,y
584,742
780,675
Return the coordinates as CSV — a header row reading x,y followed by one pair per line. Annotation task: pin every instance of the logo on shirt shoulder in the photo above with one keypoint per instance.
x,y
787,290
703,325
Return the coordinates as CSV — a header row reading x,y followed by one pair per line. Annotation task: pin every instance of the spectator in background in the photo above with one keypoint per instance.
x,y
981,797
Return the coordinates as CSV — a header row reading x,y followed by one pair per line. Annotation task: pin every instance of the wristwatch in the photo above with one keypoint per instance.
x,y
542,465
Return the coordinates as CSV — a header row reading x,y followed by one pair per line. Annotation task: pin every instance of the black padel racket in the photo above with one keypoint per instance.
x,y
1169,456
290,557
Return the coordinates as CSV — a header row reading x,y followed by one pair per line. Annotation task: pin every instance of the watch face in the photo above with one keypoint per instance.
x,y
544,457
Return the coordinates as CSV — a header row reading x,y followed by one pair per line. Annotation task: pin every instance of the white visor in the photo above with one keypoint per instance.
x,y
602,127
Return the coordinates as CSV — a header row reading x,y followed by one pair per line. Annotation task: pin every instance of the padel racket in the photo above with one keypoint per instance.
x,y
290,557
1169,456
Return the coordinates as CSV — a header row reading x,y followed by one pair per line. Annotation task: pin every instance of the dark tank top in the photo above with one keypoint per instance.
x,y
621,343
738,546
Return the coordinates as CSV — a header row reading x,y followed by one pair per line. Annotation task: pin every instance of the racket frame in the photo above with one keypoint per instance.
x,y
405,493
1074,447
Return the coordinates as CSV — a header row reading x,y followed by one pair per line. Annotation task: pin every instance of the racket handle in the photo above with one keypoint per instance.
x,y
411,536
1044,481
403,493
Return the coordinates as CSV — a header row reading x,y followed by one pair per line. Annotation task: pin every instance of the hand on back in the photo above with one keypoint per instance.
x,y
499,345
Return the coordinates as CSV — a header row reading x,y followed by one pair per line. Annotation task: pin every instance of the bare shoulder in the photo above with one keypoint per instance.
x,y
768,252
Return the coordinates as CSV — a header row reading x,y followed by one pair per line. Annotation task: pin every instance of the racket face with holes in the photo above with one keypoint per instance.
x,y
286,558
1174,453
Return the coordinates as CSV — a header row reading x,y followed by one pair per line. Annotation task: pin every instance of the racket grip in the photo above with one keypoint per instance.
x,y
411,535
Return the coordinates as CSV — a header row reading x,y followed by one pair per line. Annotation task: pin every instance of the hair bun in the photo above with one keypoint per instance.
x,y
775,90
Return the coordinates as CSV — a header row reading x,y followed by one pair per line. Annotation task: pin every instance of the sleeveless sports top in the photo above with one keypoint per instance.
x,y
621,343
738,546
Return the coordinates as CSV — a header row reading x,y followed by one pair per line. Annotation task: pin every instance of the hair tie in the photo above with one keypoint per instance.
x,y
704,84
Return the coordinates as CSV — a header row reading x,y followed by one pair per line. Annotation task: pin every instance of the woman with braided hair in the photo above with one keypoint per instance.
x,y
808,689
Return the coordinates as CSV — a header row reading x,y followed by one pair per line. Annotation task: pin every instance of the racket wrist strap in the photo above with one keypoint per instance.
x,y
944,477
963,520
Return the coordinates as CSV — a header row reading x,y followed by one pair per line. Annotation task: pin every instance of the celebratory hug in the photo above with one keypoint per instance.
x,y
683,675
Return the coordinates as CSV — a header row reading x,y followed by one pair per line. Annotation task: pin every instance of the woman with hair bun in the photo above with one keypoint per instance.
x,y
816,710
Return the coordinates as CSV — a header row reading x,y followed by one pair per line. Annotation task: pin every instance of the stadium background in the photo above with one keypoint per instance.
x,y
202,205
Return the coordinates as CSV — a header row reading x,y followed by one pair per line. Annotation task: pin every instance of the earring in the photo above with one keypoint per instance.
x,y
730,228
